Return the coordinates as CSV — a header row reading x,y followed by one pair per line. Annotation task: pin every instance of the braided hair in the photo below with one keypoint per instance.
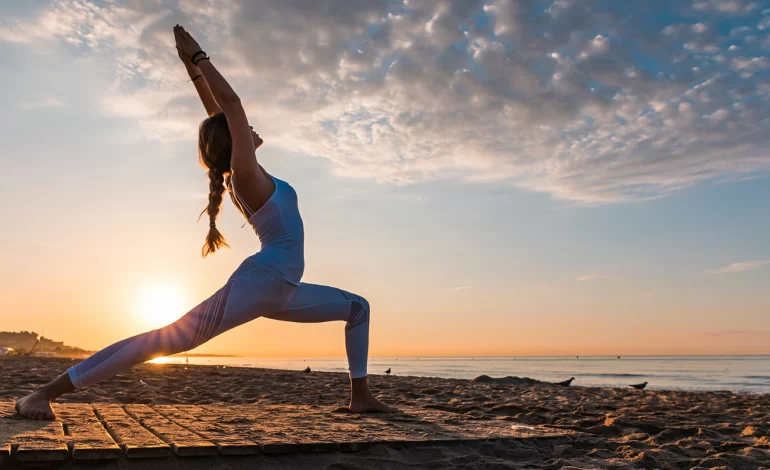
x,y
214,150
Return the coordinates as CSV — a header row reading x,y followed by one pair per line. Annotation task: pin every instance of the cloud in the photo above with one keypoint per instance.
x,y
591,277
733,7
459,288
564,97
739,333
44,102
741,267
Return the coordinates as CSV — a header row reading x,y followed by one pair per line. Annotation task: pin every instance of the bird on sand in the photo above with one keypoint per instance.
x,y
388,371
307,370
639,386
566,383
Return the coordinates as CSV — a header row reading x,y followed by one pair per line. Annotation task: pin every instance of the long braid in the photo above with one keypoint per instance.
x,y
214,239
214,151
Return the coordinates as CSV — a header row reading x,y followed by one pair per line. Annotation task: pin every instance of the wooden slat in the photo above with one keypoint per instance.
x,y
184,442
251,422
34,441
228,442
348,431
136,441
277,429
86,437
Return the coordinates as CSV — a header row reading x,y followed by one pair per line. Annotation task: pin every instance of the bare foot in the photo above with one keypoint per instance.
x,y
36,405
369,404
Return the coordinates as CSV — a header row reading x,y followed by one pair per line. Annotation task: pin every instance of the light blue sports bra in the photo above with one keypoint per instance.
x,y
278,225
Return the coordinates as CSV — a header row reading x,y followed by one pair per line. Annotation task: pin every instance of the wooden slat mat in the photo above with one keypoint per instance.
x,y
106,431
135,440
86,437
31,440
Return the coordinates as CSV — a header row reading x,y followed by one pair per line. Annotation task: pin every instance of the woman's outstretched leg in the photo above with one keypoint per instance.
x,y
313,303
244,298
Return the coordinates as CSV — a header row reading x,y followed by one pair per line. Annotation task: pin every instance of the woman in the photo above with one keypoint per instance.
x,y
266,284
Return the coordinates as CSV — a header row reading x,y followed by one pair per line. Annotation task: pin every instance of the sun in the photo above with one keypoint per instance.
x,y
161,304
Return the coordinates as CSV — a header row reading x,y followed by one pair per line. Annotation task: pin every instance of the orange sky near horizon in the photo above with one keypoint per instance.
x,y
106,300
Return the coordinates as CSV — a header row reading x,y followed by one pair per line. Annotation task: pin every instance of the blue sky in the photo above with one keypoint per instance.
x,y
554,177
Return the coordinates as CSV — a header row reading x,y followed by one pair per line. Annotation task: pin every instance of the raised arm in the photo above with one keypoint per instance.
x,y
201,87
256,185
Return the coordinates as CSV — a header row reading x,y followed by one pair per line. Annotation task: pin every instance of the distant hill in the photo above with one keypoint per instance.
x,y
23,341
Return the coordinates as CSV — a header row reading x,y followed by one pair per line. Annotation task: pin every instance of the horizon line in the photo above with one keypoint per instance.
x,y
486,356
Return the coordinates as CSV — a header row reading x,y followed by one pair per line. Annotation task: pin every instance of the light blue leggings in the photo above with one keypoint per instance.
x,y
251,292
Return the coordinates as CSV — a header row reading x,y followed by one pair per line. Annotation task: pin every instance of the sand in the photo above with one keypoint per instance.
x,y
623,428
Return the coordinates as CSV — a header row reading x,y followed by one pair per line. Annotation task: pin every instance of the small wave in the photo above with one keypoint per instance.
x,y
760,377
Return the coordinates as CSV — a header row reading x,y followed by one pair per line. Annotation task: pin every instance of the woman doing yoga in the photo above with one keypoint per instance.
x,y
267,284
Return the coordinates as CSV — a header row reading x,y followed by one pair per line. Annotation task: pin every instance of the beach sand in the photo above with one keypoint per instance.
x,y
623,428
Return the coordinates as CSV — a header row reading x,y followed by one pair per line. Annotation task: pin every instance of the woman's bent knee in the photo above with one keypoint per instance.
x,y
359,310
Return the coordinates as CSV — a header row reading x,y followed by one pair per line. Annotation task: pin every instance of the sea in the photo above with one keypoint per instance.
x,y
743,374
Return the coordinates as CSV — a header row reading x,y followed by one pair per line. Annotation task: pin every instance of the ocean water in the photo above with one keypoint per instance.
x,y
747,374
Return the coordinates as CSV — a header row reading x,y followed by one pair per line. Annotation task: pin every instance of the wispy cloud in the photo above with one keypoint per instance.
x,y
741,267
546,95
739,333
44,102
459,288
591,277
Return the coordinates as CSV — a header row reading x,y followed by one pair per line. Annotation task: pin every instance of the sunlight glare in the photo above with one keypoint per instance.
x,y
160,360
161,305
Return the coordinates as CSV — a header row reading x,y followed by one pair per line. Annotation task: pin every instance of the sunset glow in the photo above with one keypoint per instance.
x,y
160,360
161,304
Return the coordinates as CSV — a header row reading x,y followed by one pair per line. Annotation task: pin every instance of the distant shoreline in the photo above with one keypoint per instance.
x,y
203,355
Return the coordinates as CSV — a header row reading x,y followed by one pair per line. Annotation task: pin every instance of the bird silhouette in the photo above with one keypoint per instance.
x,y
388,371
639,386
307,370
566,383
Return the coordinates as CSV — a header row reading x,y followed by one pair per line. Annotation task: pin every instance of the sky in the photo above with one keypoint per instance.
x,y
496,177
